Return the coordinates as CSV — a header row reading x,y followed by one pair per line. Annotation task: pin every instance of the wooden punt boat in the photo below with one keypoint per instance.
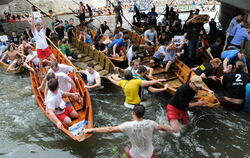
x,y
84,110
5,66
179,76
102,63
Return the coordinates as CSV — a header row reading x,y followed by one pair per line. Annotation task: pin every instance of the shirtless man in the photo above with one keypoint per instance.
x,y
11,57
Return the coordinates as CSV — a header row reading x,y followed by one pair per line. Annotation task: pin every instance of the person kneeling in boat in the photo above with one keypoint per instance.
x,y
178,106
234,83
231,56
56,107
207,70
32,56
160,54
131,87
66,51
169,59
132,54
139,131
93,77
134,68
116,46
11,57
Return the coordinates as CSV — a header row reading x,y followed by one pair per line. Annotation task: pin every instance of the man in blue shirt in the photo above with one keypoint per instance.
x,y
115,47
241,34
230,57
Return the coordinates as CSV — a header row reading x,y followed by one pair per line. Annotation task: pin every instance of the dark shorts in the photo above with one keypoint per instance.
x,y
177,114
227,104
65,114
60,36
157,61
82,17
118,19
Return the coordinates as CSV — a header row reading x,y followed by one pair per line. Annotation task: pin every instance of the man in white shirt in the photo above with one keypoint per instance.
x,y
31,57
93,77
131,54
139,131
42,47
56,107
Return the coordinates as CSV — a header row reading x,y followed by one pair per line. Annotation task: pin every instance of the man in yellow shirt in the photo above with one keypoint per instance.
x,y
131,87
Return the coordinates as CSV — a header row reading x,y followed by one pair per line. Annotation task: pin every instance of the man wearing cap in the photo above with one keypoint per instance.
x,y
181,101
230,57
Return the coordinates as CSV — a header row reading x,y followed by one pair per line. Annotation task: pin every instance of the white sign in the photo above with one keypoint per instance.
x,y
37,15
4,38
178,40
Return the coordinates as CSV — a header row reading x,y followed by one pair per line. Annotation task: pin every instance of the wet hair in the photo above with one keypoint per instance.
x,y
166,43
141,69
54,64
135,47
50,76
90,65
215,60
239,67
139,110
151,27
128,75
11,45
126,37
241,14
53,84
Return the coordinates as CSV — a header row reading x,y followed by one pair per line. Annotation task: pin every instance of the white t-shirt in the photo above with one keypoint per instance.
x,y
63,68
40,37
130,54
92,78
30,56
64,81
130,68
140,134
55,101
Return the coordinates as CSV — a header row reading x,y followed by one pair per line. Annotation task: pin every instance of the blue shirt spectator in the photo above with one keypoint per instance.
x,y
236,20
234,30
240,35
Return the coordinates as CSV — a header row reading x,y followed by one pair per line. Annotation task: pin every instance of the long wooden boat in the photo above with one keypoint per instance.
x,y
5,66
179,76
84,110
118,60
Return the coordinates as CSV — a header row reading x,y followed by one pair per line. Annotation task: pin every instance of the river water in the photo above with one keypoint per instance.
x,y
26,132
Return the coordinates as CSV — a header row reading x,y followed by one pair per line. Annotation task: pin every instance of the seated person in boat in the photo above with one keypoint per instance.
x,y
31,57
24,46
56,107
131,87
42,47
170,57
86,36
66,84
55,68
234,83
93,77
12,57
139,131
182,100
132,54
141,74
115,48
160,54
135,66
231,56
99,45
206,70
151,37
66,51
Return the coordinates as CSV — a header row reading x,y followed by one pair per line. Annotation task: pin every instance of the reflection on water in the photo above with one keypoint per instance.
x,y
26,132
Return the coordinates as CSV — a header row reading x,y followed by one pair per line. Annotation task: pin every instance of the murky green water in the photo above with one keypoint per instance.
x,y
26,132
